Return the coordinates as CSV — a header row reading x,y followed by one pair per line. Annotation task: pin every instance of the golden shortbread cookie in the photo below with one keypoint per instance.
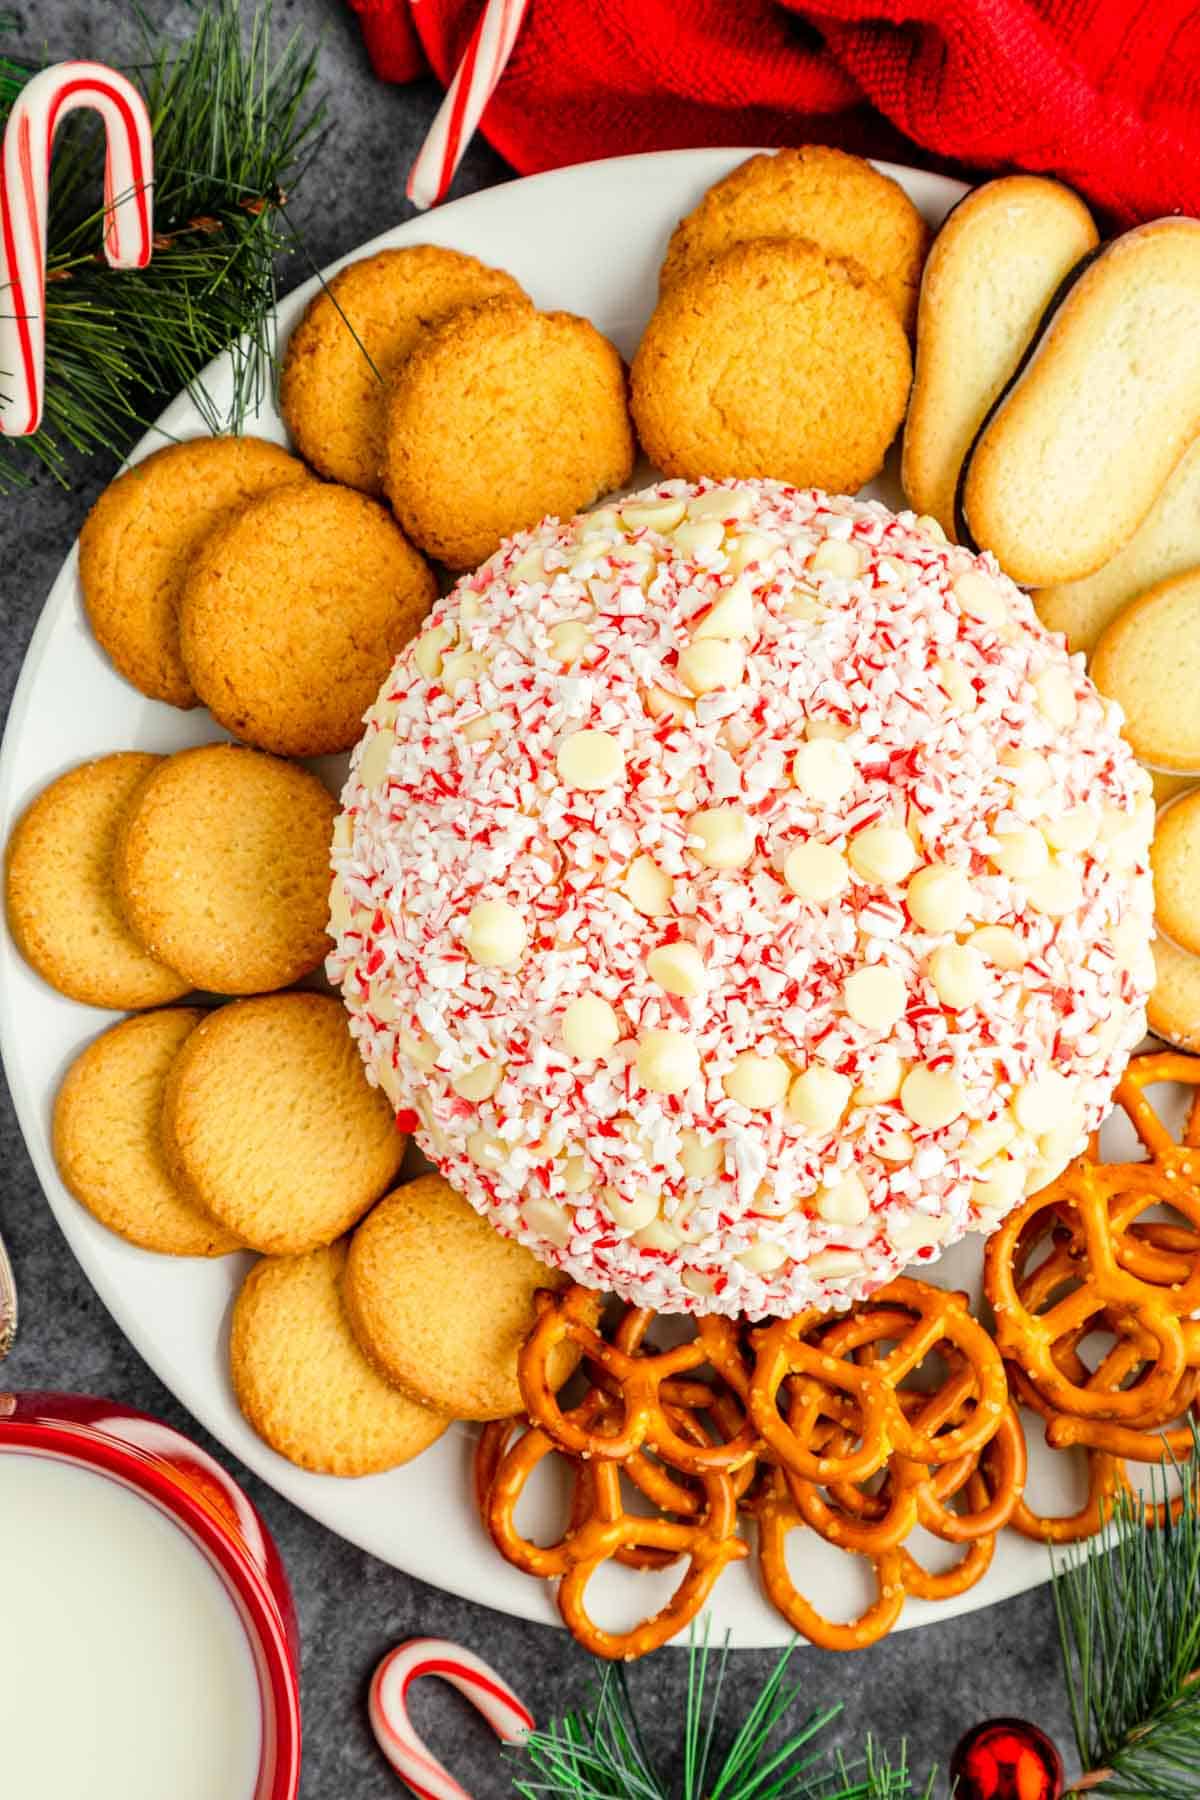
x,y
293,614
352,340
140,540
62,905
269,1123
1168,543
773,359
1173,1012
107,1141
500,416
1175,860
1149,660
829,198
222,867
441,1303
1166,787
302,1381
994,269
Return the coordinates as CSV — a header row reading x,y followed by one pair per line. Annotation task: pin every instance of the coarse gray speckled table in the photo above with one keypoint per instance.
x,y
929,1684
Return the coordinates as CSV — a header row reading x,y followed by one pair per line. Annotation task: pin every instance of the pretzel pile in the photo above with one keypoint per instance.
x,y
803,1422
1080,1267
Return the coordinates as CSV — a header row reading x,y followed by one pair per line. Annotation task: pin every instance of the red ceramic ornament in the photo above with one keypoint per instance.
x,y
1006,1759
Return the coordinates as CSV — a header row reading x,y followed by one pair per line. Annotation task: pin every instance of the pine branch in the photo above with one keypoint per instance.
x,y
1129,1622
599,1753
234,126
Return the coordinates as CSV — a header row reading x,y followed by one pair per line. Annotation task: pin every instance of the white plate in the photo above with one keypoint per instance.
x,y
588,239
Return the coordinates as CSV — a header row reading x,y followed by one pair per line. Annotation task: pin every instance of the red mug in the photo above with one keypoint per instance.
x,y
180,1480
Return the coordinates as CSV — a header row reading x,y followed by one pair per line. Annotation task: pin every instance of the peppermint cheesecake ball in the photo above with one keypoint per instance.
x,y
742,896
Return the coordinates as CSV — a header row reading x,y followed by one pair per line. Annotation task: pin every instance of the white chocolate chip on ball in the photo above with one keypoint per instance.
x,y
757,1082
958,974
827,728
832,1265
341,913
927,524
910,1232
816,871
1027,769
654,515
762,1257
699,537
590,1027
979,597
998,945
696,1283
460,668
1074,829
882,853
1039,1104
389,1080
844,1203
495,936
576,1175
1000,1185
775,1203
569,640
895,1145
481,1082
732,616
548,1219
721,503
485,1150
699,1156
679,968
710,664
662,704
801,603
668,1062
747,549
428,649
631,1214
875,997
485,726
834,556
959,688
1056,697
1020,853
824,770
375,759
726,837
1056,892
938,897
932,1097
591,760
882,1080
987,1138
417,1049
659,1234
818,1098
647,887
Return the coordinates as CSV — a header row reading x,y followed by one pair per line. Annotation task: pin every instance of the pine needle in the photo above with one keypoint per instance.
x,y
1129,1623
234,126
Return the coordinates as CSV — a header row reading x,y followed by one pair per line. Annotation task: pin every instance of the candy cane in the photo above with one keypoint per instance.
x,y
458,116
24,196
462,1669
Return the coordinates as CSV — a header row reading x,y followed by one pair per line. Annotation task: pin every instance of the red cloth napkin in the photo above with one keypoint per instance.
x,y
1104,93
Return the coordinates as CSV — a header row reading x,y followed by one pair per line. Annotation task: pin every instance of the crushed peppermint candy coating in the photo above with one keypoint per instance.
x,y
742,896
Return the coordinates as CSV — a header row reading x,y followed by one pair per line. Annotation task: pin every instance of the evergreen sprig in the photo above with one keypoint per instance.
x,y
599,1753
1129,1622
234,126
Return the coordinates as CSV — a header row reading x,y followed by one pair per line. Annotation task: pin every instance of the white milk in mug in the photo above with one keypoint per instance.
x,y
125,1671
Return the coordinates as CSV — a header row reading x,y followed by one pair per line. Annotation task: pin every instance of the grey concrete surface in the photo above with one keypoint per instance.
x,y
927,1685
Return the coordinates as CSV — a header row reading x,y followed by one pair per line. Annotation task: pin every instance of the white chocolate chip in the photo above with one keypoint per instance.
x,y
818,1098
882,853
485,726
875,997
1019,854
668,1062
882,1080
895,1145
775,1203
938,897
726,837
721,503
699,537
590,760
548,1219
988,1138
569,640
710,664
381,1003
1072,830
427,651
927,524
343,831
662,704
758,1082
390,1081
834,556
486,1151
375,759
915,1231
845,1203
341,913
495,935
748,548
1028,770
1000,1185
660,1234
418,1049
1056,892
699,1156
958,974
932,1097
462,667
801,603
816,871
979,597
576,1175
762,1257
732,616
831,1265
1039,1104
824,770
679,968
647,887
654,515
696,1283
959,688
631,1214
481,1082
827,728
998,945
1056,696
590,1026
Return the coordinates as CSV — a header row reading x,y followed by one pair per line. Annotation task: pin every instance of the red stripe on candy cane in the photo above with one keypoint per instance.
x,y
466,99
25,155
407,1753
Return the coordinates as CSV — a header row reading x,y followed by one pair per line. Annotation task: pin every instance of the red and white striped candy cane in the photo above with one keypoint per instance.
x,y
25,155
458,116
406,1752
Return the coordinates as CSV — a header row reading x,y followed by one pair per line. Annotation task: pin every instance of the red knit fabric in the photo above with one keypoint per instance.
x,y
1104,93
